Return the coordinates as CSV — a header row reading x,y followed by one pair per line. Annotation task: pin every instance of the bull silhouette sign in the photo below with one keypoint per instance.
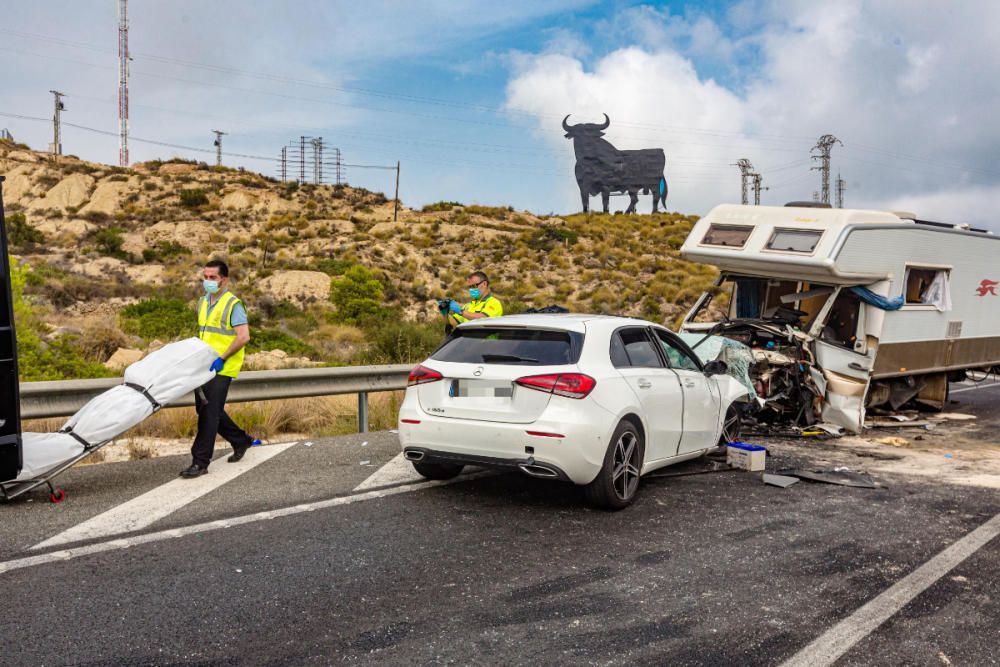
x,y
602,169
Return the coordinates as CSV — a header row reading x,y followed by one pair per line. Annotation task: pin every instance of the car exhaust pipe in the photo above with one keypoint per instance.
x,y
536,470
413,455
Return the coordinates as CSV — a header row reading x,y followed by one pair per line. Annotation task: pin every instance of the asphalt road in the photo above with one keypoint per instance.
x,y
712,569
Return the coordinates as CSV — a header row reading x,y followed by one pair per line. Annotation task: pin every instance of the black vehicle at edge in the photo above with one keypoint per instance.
x,y
10,398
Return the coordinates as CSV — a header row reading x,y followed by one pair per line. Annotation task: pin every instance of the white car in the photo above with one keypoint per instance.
x,y
591,399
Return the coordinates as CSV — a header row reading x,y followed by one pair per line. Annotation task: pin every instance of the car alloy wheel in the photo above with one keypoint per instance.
x,y
732,426
625,475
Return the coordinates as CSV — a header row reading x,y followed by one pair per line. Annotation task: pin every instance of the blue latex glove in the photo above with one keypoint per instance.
x,y
217,365
454,307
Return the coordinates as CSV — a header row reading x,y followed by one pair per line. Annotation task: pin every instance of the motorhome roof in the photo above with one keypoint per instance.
x,y
800,242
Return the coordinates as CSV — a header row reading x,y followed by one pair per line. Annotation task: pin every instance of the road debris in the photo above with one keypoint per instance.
x,y
841,476
782,481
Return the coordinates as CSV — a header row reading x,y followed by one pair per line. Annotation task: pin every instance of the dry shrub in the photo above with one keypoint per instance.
x,y
138,450
169,423
101,339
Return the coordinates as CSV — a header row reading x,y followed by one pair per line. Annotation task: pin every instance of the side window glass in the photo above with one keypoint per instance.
x,y
638,350
677,357
619,359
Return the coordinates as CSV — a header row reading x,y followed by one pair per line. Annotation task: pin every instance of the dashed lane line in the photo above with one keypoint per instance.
x,y
159,536
145,510
839,639
978,386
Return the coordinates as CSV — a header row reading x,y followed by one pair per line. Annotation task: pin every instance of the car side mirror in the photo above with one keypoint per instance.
x,y
716,367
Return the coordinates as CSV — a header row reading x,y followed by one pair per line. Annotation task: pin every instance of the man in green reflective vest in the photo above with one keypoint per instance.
x,y
483,303
223,324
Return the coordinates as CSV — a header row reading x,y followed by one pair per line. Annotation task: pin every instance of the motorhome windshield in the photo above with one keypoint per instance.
x,y
747,297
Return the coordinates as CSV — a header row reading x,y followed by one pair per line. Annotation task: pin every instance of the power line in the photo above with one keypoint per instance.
x,y
123,67
56,148
823,146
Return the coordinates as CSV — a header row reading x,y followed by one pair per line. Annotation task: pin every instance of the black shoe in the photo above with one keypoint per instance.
x,y
194,471
239,451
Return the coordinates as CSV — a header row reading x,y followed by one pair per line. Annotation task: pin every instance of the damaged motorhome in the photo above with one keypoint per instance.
x,y
848,310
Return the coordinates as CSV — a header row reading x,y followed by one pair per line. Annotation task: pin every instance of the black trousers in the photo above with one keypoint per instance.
x,y
210,402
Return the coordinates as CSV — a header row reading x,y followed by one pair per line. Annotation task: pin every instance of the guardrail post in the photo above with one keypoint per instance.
x,y
362,412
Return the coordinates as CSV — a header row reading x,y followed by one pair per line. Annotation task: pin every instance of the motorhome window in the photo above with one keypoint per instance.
x,y
730,236
794,240
927,286
842,323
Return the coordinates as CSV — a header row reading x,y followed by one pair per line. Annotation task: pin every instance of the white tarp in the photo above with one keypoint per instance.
x,y
173,370
108,414
166,375
44,451
938,293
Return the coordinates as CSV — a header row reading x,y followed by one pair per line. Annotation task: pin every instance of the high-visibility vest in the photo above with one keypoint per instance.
x,y
490,306
214,328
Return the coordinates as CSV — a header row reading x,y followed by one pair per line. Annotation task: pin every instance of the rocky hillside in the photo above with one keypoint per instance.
x,y
114,256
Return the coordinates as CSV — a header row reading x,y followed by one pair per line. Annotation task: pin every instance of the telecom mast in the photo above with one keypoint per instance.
x,y
123,59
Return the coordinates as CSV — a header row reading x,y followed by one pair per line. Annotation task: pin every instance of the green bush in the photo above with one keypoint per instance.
x,y
20,231
164,251
357,296
59,359
193,197
440,206
548,237
109,242
164,319
265,339
401,342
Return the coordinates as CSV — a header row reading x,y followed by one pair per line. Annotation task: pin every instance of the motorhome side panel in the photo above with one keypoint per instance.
x,y
920,338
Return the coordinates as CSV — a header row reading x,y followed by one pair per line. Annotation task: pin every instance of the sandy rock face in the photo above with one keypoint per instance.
x,y
101,267
70,191
76,229
18,185
106,197
238,200
151,274
190,234
122,357
300,287
177,168
274,360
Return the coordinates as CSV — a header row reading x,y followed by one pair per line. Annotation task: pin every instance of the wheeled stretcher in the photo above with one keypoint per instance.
x,y
148,385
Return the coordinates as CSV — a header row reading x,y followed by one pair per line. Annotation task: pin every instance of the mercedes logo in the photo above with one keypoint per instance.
x,y
478,372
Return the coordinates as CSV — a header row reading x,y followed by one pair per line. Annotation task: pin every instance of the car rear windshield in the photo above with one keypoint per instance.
x,y
526,347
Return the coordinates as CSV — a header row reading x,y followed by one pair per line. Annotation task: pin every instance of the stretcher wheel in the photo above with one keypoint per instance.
x,y
57,496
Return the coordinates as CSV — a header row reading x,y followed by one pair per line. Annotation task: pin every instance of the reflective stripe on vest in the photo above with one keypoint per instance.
x,y
215,329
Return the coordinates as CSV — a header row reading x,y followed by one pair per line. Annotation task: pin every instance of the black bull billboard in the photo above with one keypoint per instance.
x,y
602,169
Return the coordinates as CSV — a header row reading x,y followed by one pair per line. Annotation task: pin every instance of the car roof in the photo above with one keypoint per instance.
x,y
563,321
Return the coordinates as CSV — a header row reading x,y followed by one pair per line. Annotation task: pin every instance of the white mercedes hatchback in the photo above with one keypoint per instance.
x,y
594,400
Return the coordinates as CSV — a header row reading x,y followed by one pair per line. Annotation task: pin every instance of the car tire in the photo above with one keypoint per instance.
x,y
438,470
617,484
732,425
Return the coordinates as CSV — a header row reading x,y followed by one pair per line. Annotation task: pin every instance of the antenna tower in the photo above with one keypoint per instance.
x,y
757,178
841,187
56,148
218,147
823,147
746,169
123,58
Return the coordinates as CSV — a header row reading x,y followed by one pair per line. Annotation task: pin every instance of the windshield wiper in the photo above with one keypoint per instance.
x,y
487,358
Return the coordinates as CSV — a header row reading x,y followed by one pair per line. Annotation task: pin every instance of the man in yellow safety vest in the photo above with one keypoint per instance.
x,y
483,303
223,324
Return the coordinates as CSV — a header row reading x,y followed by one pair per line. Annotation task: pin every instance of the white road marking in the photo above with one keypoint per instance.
x,y
978,386
159,536
396,471
144,510
839,639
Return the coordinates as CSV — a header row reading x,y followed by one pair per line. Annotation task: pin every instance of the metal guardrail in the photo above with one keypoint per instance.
x,y
64,397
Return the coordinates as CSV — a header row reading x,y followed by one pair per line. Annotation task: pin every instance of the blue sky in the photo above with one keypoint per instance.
x,y
469,95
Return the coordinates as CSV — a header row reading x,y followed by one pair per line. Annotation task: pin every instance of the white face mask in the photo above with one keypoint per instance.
x,y
211,286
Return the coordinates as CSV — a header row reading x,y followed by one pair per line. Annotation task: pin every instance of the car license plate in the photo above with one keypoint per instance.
x,y
480,389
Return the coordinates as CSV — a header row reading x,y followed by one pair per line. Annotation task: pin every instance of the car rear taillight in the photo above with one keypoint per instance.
x,y
570,385
422,375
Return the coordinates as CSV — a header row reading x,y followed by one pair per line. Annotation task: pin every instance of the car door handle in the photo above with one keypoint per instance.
x,y
689,384
856,366
644,383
